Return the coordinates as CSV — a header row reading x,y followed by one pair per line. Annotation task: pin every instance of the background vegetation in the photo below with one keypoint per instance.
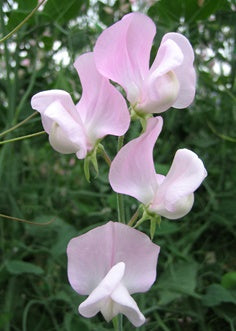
x,y
195,288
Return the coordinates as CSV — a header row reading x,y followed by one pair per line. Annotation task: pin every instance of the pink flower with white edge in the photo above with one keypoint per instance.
x,y
109,263
101,110
122,53
132,172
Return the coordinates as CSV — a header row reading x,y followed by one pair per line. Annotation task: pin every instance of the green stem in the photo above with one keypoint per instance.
x,y
18,125
25,221
106,157
29,88
22,137
22,22
120,197
133,218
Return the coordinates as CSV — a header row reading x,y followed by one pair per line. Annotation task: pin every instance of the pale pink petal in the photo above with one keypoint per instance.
x,y
92,255
126,305
159,94
132,171
60,142
97,299
161,89
174,198
42,100
90,258
122,52
71,130
185,73
139,254
102,108
169,57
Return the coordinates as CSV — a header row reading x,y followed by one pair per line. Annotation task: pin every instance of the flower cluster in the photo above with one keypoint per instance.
x,y
113,261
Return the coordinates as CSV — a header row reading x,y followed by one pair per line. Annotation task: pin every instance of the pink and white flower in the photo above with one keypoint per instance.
x,y
109,263
101,110
122,53
132,172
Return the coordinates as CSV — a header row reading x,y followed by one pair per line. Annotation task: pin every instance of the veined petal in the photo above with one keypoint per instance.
x,y
93,254
174,198
122,52
125,304
185,73
132,171
102,108
97,300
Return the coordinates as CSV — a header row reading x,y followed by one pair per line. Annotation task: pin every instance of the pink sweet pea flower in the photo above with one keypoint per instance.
x,y
109,263
76,128
122,54
132,172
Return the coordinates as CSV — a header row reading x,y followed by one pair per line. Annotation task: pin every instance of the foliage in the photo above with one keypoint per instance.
x,y
195,288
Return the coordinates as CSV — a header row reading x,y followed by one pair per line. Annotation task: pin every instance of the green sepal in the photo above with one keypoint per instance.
x,y
86,169
142,117
91,158
154,219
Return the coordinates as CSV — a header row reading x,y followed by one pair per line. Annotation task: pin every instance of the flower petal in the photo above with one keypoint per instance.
x,y
169,57
97,299
73,135
125,304
132,171
61,121
102,108
42,100
122,52
174,198
185,73
93,254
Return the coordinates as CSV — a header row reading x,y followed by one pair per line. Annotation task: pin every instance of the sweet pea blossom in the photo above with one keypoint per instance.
x,y
76,128
122,53
109,263
132,172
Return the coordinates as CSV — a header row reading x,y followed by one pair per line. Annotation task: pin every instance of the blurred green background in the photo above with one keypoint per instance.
x,y
196,283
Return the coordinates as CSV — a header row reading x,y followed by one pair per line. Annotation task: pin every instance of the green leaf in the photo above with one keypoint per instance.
x,y
217,294
27,4
16,267
179,279
229,280
167,227
63,11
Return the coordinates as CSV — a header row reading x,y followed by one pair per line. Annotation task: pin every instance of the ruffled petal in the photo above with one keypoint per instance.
x,y
132,171
122,52
102,108
185,73
174,198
